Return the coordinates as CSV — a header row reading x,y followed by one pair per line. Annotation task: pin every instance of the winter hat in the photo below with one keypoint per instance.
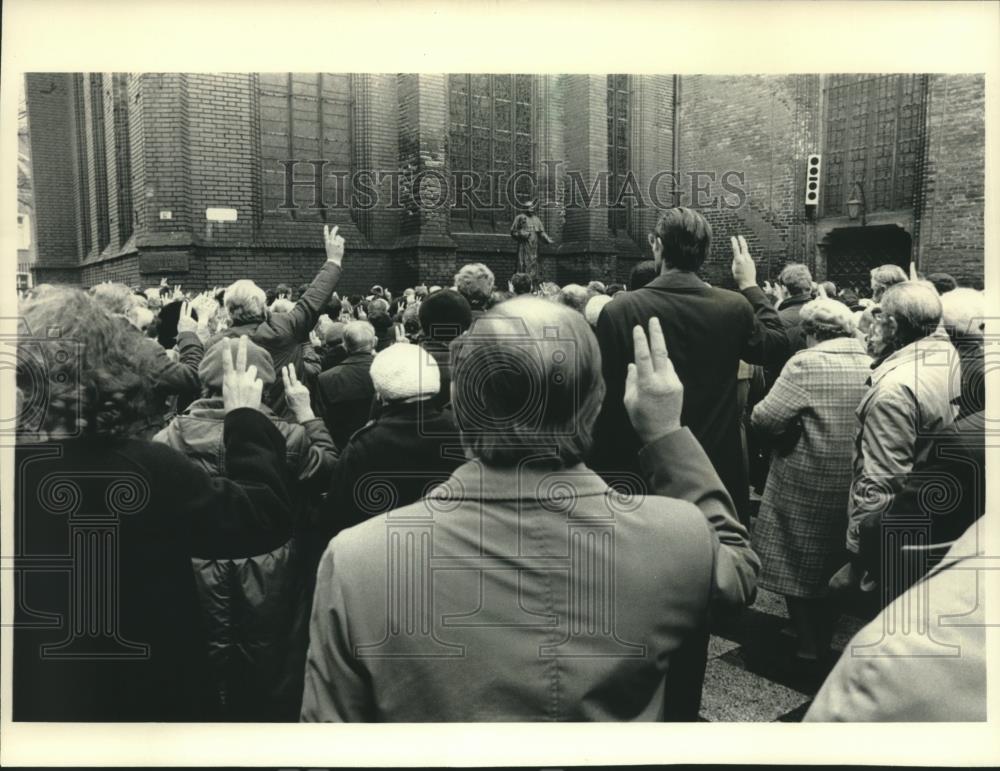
x,y
405,372
210,370
445,314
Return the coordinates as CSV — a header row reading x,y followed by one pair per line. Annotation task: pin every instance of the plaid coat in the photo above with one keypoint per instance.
x,y
803,513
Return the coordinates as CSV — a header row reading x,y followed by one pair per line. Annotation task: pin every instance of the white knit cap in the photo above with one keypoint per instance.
x,y
592,310
404,371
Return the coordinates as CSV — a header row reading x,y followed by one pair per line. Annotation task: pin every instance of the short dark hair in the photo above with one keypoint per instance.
x,y
527,384
641,274
381,322
848,297
521,282
686,237
333,308
943,282
445,315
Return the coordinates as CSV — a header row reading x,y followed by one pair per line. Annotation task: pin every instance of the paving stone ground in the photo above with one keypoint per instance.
x,y
752,675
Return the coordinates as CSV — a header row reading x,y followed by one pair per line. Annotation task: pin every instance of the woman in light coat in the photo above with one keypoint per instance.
x,y
809,415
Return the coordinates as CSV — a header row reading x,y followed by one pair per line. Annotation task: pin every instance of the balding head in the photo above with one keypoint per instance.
x,y
963,313
527,384
359,337
914,307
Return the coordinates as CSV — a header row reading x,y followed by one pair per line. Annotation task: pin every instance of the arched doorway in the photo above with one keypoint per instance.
x,y
851,253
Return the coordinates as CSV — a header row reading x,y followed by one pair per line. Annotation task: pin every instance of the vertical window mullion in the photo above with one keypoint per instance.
x,y
291,129
492,102
512,147
470,216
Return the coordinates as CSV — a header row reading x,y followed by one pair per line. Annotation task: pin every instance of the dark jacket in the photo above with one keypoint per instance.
x,y
250,603
331,356
392,462
140,510
708,331
281,334
345,396
789,311
442,357
176,381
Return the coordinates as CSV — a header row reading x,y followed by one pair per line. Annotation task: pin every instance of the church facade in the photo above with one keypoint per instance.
x,y
208,177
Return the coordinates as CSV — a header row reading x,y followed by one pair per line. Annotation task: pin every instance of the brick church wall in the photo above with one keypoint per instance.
x,y
762,127
952,228
195,143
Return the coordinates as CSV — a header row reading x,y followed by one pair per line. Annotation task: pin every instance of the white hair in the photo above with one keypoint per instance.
x,y
594,307
915,305
825,319
245,301
139,316
574,296
475,281
963,312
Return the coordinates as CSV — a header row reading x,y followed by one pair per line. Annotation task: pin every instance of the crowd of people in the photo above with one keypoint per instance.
x,y
409,506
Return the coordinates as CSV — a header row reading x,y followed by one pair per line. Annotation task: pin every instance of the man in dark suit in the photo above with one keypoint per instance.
x,y
794,290
346,391
411,446
797,282
708,331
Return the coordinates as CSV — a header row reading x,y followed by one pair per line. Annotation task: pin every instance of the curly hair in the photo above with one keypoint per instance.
x,y
82,371
475,282
114,298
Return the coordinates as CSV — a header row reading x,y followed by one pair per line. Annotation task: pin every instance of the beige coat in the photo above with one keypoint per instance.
x,y
525,594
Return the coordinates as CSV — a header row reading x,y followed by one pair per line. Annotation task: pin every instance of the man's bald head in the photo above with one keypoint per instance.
x,y
359,337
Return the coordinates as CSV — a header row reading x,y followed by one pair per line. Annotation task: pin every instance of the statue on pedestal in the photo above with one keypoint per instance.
x,y
526,229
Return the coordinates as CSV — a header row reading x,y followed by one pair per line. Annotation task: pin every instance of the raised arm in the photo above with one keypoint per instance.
x,y
247,511
180,377
677,466
767,341
318,463
301,319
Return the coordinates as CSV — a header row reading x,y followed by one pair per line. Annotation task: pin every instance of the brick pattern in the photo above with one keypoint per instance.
x,y
53,171
196,143
952,227
763,127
